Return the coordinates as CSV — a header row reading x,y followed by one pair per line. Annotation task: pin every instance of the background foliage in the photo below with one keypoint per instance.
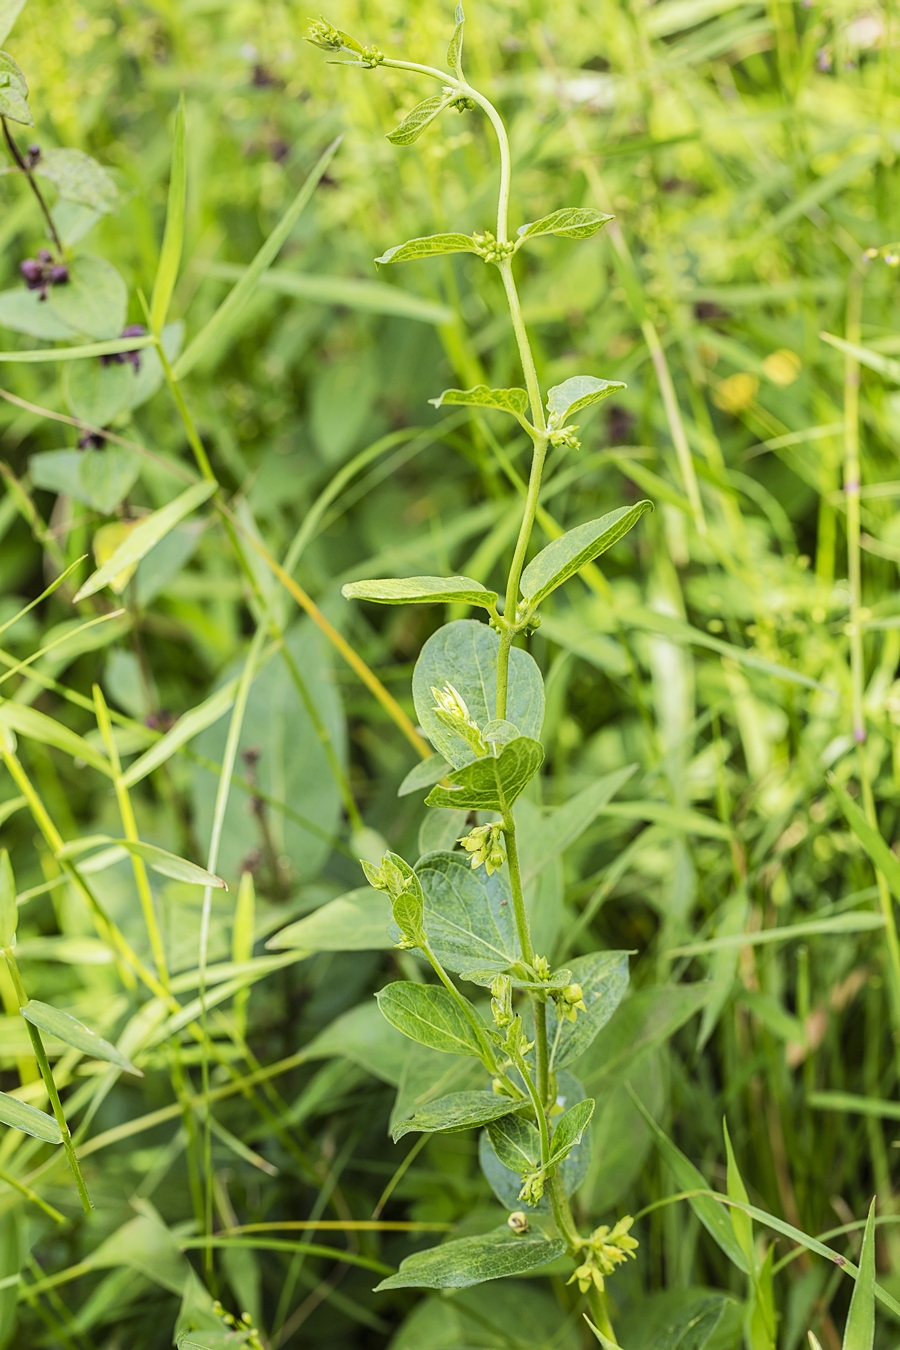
x,y
749,155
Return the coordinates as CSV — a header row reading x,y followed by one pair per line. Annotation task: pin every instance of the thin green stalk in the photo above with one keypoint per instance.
x,y
489,1059
43,1062
539,1112
515,883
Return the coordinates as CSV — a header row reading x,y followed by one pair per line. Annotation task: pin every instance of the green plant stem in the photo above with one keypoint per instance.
x,y
538,1111
22,164
489,1059
515,884
43,1062
541,1050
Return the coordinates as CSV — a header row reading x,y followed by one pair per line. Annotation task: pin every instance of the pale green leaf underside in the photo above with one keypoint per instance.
x,y
458,1111
79,178
569,222
491,784
13,92
513,401
72,1032
468,1261
429,1015
21,1116
429,246
146,536
415,122
603,977
565,556
421,591
9,12
356,922
566,399
423,775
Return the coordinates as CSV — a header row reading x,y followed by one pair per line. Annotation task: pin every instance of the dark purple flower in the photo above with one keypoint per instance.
x,y
119,358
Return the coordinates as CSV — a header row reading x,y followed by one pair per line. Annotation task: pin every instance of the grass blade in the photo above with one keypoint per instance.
x,y
173,238
859,1333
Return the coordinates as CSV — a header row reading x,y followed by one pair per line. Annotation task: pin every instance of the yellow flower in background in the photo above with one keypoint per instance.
x,y
106,541
782,367
736,393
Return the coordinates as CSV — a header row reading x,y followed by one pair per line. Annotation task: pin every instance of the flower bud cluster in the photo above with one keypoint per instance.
x,y
42,272
501,1001
561,436
407,902
532,1187
464,104
323,34
492,249
485,845
451,708
244,1324
571,1002
604,1250
134,357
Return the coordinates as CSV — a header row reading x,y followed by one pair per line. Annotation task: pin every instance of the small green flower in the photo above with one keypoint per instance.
x,y
452,710
492,249
501,1001
532,1188
485,845
605,1250
571,1002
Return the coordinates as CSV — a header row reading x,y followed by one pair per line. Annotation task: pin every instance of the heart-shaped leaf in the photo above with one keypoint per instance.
x,y
464,654
70,1031
415,122
569,222
566,399
458,1111
491,784
566,555
513,401
430,1015
430,246
469,920
421,591
13,92
467,1261
20,1116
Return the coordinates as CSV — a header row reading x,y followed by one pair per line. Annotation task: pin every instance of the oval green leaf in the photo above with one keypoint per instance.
x,y
430,246
79,178
566,399
421,591
569,222
72,1032
457,1111
415,122
467,1261
430,1015
565,556
20,1116
603,977
516,1143
356,922
13,92
468,916
513,401
570,1128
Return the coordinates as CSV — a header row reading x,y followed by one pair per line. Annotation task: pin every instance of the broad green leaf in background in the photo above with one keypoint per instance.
x,y
513,401
428,1075
290,762
12,1252
464,654
501,1315
468,915
859,1333
13,92
9,12
170,865
569,222
146,535
24,312
73,1032
356,922
569,1129
9,911
94,300
516,1143
643,1022
561,827
20,1116
421,591
431,246
429,1014
581,391
693,1327
711,1214
421,116
458,1111
467,1261
364,1037
189,725
79,178
373,297
493,783
98,392
565,556
39,727
100,479
603,977
173,236
224,319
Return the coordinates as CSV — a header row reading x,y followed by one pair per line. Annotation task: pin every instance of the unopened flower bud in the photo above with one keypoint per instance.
x,y
485,845
518,1221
